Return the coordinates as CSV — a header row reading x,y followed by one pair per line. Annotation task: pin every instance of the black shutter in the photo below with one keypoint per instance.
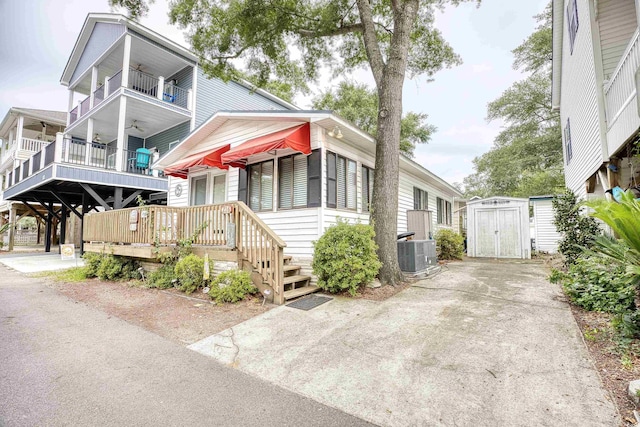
x,y
331,180
242,185
314,179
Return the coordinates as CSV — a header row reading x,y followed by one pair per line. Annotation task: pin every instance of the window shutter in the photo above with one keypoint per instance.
x,y
352,184
242,185
365,188
300,181
331,180
286,183
314,181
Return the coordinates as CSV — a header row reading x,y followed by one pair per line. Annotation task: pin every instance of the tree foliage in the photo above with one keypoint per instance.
x,y
290,41
358,104
526,158
578,230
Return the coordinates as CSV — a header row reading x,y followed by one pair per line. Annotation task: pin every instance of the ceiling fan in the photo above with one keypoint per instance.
x,y
134,125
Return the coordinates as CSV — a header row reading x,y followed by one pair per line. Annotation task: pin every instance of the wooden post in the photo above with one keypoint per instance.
x,y
48,228
63,225
12,229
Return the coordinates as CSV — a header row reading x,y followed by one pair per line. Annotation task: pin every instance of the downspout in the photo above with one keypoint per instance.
x,y
557,32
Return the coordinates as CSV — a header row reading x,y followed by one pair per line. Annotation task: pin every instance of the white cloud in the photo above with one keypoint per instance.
x,y
481,68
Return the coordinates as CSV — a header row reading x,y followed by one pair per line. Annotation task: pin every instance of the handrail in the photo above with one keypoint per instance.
x,y
165,226
621,87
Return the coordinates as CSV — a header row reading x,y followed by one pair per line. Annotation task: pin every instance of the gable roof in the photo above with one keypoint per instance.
x,y
49,116
323,118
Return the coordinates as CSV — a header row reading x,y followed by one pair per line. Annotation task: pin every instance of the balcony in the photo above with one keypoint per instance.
x,y
621,97
21,151
139,83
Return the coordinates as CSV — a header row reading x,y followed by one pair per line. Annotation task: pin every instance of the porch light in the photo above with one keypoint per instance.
x,y
335,132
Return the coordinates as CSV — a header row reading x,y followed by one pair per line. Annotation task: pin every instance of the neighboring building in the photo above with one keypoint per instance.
x,y
299,171
545,234
596,56
23,133
133,95
498,227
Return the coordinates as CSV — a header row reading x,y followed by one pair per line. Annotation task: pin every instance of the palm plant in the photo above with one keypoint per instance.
x,y
3,229
624,220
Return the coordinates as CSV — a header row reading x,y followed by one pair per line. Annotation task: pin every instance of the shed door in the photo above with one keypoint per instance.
x,y
498,233
486,233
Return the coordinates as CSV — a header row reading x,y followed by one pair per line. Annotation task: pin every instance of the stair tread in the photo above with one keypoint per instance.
x,y
298,292
291,267
296,278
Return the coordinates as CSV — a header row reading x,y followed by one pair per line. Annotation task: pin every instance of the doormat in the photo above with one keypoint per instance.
x,y
307,303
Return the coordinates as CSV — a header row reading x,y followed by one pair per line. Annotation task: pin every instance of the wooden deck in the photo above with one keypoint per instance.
x,y
226,232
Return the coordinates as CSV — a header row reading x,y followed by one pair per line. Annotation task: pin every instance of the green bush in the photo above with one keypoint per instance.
x,y
597,285
449,244
92,262
163,277
117,268
578,231
189,271
231,286
345,257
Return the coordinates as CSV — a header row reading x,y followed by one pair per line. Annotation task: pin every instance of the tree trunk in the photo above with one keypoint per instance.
x,y
387,175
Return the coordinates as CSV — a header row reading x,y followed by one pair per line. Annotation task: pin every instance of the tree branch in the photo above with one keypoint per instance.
x,y
341,30
371,45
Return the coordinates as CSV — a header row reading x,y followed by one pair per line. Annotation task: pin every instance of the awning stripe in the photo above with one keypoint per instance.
x,y
208,158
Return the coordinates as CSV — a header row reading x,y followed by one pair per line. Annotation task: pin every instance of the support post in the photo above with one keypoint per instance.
x,y
126,60
88,146
160,93
63,226
48,228
94,84
121,142
117,198
84,211
12,229
19,132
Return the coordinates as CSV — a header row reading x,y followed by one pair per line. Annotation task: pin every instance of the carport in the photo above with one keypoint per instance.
x,y
498,227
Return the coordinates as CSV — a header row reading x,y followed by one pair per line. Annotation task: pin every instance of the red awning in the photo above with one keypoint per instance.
x,y
297,138
208,158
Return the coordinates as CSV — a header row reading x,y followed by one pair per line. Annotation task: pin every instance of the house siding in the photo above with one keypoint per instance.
x,y
103,36
162,140
580,103
546,235
134,143
215,95
184,78
616,23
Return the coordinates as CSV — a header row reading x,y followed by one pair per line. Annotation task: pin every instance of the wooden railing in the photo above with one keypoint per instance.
x,y
228,225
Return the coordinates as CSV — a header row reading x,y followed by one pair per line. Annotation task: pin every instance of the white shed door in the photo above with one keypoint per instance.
x,y
498,233
486,233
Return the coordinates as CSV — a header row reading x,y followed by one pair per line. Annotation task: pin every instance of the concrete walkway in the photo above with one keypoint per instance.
x,y
38,261
481,344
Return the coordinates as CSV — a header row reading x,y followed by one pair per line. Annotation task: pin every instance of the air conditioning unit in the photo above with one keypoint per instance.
x,y
416,255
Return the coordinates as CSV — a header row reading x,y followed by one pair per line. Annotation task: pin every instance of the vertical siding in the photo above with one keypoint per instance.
x,y
215,95
546,235
617,23
134,143
103,35
579,102
162,140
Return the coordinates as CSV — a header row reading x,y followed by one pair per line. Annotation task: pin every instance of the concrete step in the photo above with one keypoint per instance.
x,y
295,293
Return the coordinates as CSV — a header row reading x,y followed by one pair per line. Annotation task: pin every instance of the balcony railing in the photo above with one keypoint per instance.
x,y
115,82
98,96
176,95
26,147
33,145
143,83
621,87
73,115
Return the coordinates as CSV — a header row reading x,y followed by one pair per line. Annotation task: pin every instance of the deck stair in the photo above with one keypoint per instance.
x,y
296,284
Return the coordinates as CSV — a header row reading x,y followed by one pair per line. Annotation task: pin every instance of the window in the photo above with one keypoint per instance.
x,y
292,180
219,189
420,199
198,191
572,20
445,215
261,186
367,188
568,150
341,182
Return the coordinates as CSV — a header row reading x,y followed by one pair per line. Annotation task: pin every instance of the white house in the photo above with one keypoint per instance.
x,y
298,170
596,56
545,234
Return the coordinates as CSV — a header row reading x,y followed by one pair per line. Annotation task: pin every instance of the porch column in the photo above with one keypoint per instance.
x,y
122,135
12,230
70,106
160,94
19,131
638,12
126,60
10,138
63,226
89,145
94,84
194,88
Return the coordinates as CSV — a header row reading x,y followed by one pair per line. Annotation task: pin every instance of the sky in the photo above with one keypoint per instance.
x,y
37,36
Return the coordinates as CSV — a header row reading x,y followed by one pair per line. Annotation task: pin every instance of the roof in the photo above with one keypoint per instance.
x,y
323,118
545,197
50,116
93,18
496,198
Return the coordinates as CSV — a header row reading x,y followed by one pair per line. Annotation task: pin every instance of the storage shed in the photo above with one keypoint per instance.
x,y
545,234
498,227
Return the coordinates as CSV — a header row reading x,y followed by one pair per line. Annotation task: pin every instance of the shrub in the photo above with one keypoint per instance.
x,y
578,231
117,268
345,257
163,277
189,272
231,286
92,262
597,285
449,244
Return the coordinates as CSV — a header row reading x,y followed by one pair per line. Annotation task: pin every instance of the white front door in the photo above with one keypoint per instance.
x,y
498,233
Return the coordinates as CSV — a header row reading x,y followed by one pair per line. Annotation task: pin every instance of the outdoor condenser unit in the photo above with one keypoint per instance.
x,y
416,255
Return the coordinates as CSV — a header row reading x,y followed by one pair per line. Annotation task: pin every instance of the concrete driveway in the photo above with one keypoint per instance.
x,y
483,344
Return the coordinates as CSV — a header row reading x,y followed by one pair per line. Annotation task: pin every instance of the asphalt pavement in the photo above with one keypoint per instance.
x,y
64,363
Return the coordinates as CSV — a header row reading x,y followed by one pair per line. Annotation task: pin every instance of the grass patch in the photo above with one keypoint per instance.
x,y
70,275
